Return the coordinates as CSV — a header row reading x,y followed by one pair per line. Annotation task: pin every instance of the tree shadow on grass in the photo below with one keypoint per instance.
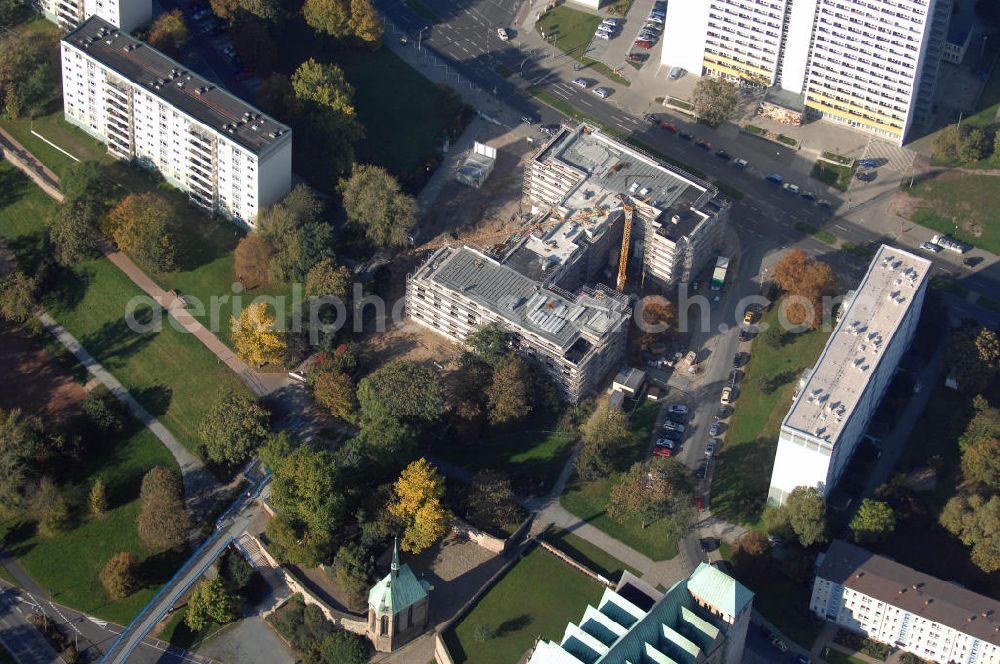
x,y
160,567
17,541
741,479
513,625
30,251
64,287
115,343
155,399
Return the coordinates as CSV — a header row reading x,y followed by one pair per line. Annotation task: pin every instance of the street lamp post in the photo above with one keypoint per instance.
x,y
420,37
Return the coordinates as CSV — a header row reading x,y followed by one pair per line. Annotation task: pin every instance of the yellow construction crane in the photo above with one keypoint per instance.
x,y
626,239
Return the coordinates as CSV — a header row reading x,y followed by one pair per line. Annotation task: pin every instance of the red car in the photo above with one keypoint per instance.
x,y
642,43
696,502
669,126
661,452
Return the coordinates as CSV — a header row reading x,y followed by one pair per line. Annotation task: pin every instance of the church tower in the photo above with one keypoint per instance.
x,y
398,607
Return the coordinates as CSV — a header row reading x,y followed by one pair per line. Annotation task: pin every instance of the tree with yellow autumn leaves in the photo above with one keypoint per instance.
x,y
417,496
254,336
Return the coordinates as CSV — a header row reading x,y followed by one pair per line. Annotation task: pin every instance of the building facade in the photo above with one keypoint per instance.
x,y
869,65
227,155
677,219
835,401
578,339
398,607
703,618
894,604
125,15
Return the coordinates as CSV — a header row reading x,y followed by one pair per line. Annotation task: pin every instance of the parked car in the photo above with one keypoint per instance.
x,y
665,442
801,659
581,83
740,163
774,177
643,43
931,247
825,204
647,36
549,129
710,448
529,119
951,244
780,645
661,452
714,429
867,163
669,126
745,335
655,19
866,176
703,144
670,425
748,317
603,93
637,57
700,472
790,188
708,544
685,136
722,154
675,73
738,359
727,395
677,409
808,195
503,34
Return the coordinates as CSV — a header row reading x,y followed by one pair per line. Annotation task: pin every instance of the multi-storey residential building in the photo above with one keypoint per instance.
x,y
226,154
677,219
579,339
894,604
836,400
702,618
869,65
126,15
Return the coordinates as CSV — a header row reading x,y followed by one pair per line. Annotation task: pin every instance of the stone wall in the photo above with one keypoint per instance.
x,y
489,542
575,565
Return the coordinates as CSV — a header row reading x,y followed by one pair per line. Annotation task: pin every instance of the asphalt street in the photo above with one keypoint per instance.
x,y
25,643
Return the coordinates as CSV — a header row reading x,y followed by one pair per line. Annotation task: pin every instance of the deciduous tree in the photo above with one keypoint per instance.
x,y
265,9
252,260
648,492
509,393
365,23
306,485
342,647
224,9
327,279
17,297
353,567
332,17
375,203
335,391
103,411
417,496
981,464
168,32
296,233
164,522
253,43
799,275
490,343
714,100
751,555
491,500
50,509
210,602
973,145
86,181
254,336
29,73
604,434
142,226
400,394
233,428
873,522
98,499
73,231
975,519
324,84
120,575
807,515
974,356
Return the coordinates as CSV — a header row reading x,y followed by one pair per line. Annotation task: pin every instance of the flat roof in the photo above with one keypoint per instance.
x,y
553,315
609,168
200,99
853,351
904,587
543,252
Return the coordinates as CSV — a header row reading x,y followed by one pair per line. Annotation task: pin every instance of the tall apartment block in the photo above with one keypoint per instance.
x,y
836,400
579,339
888,602
227,155
703,618
126,15
677,220
869,65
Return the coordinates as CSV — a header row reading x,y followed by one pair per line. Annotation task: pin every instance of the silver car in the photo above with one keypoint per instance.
x,y
603,93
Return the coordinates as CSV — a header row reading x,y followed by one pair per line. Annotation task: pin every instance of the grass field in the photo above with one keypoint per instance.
x,y
536,598
585,553
834,175
169,372
822,236
177,633
589,500
961,204
743,468
68,565
532,453
832,656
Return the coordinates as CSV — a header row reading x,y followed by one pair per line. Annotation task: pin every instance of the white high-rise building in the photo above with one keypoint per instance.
x,y
869,64
125,15
227,155
836,400
897,605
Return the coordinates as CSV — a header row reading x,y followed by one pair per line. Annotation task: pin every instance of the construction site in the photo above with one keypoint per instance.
x,y
594,224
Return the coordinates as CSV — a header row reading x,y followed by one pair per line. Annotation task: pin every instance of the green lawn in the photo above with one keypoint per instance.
x,y
572,31
822,236
743,468
422,10
536,598
532,453
834,175
171,373
585,553
177,633
785,603
961,204
589,500
833,656
68,565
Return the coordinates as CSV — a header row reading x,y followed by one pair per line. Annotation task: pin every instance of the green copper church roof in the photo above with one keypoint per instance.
x,y
399,589
719,589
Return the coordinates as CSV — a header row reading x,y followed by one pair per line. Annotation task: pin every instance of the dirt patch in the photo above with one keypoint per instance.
x,y
33,380
415,343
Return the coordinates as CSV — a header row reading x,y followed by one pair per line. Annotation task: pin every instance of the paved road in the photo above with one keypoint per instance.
x,y
25,643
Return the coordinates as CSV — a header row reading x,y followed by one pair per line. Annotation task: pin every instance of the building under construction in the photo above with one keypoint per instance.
x,y
595,203
677,218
